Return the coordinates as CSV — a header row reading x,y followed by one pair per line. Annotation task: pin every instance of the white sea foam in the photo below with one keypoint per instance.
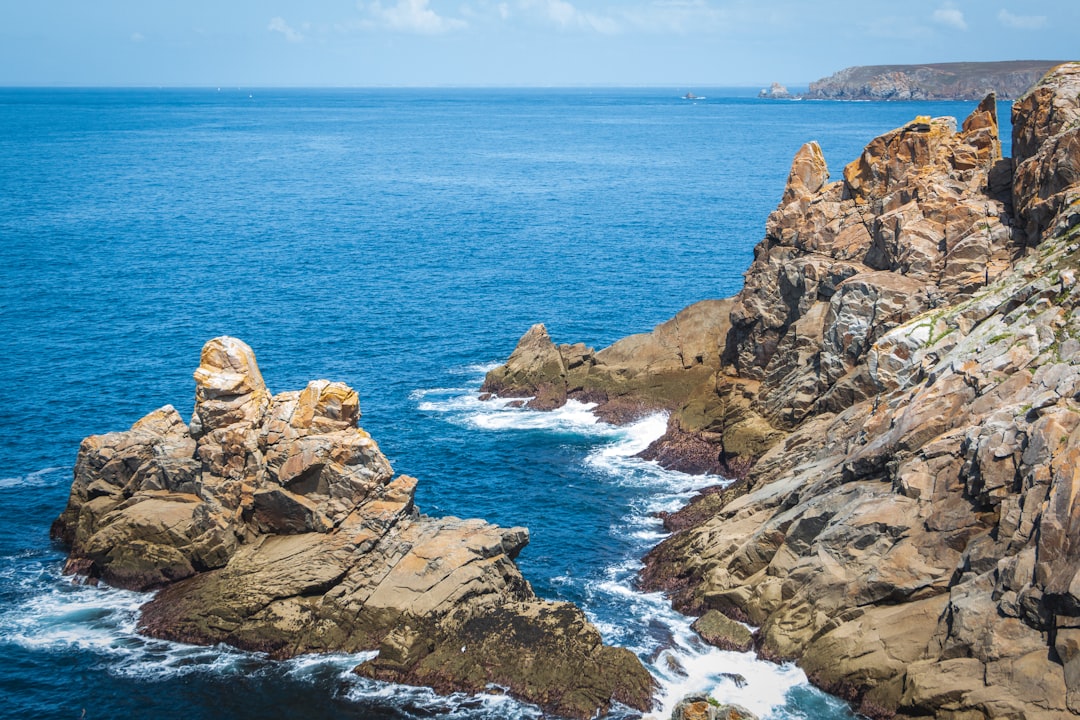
x,y
103,620
421,394
425,702
501,414
34,479
478,370
643,622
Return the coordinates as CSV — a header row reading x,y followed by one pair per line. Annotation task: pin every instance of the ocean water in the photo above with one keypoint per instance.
x,y
400,241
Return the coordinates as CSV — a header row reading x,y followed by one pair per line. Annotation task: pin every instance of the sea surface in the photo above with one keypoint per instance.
x,y
400,241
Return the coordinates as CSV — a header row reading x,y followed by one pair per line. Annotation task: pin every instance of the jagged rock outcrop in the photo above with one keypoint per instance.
x,y
935,81
910,542
911,336
776,91
275,524
676,367
655,369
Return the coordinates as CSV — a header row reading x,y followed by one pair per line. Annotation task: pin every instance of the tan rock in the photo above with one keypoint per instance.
x,y
535,369
903,362
278,528
717,629
229,388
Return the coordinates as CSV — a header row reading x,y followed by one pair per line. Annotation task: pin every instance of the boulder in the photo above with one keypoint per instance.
x,y
702,707
721,631
275,524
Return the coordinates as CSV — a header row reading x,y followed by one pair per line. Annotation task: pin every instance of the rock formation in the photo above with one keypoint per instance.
x,y
776,91
703,707
275,524
675,367
904,363
941,81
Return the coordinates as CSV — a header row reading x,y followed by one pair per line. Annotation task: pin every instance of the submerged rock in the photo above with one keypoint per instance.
x,y
275,524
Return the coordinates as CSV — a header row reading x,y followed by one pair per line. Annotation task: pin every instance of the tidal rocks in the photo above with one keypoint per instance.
x,y
275,524
637,375
718,629
776,91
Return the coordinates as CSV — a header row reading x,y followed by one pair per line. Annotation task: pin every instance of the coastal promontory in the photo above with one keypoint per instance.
x,y
275,524
934,81
897,386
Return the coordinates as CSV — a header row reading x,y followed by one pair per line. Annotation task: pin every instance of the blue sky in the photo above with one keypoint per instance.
x,y
510,42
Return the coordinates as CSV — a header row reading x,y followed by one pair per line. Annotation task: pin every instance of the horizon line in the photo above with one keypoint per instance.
x,y
389,86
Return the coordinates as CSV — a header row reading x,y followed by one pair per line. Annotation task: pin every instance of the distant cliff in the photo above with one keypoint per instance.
x,y
943,81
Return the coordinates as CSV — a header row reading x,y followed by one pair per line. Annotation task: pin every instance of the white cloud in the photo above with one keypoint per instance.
x,y
278,24
137,37
690,16
1021,22
949,16
565,15
412,16
893,27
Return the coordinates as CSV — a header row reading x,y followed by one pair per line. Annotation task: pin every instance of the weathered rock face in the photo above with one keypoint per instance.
x,y
1046,150
275,524
913,543
905,361
909,228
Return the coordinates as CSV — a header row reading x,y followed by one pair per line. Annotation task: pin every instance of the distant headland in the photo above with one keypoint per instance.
x,y
941,81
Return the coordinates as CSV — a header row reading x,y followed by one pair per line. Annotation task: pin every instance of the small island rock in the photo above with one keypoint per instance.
x,y
776,91
274,523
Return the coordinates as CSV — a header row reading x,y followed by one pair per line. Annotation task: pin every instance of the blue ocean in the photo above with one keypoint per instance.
x,y
400,241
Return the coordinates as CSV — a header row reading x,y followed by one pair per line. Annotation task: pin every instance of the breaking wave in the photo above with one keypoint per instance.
x,y
643,622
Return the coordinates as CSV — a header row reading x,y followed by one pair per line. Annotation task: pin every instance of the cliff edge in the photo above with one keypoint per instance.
x,y
903,363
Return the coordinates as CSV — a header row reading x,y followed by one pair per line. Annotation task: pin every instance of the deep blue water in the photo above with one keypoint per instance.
x,y
400,241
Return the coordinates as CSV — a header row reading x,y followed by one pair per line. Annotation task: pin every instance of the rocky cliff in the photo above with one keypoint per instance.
x,y
273,523
904,363
942,81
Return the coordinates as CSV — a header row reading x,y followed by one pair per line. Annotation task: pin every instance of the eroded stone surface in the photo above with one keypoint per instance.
x,y
912,542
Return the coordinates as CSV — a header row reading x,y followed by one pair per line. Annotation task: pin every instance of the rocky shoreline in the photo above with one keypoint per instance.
x,y
902,367
275,524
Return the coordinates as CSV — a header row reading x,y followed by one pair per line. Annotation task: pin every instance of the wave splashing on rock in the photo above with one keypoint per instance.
x,y
274,524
